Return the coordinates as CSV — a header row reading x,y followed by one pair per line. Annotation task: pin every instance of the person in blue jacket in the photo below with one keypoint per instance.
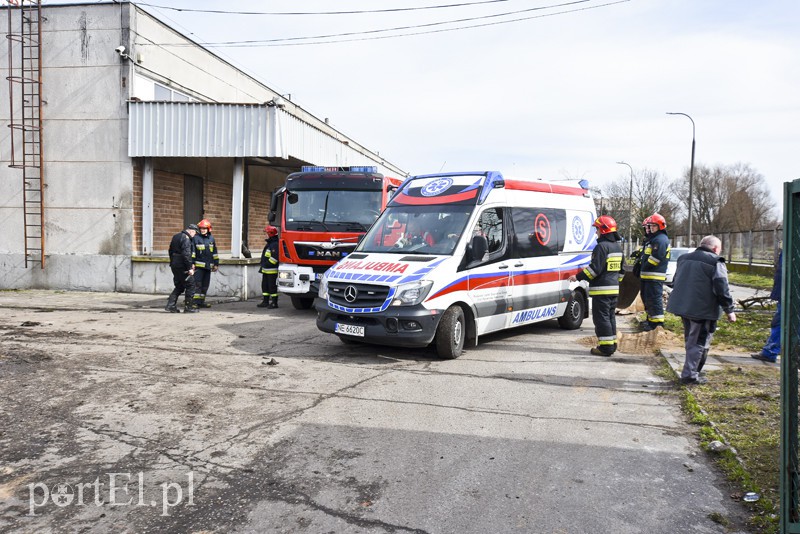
x,y
772,348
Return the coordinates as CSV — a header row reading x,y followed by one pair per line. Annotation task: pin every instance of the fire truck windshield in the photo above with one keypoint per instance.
x,y
338,210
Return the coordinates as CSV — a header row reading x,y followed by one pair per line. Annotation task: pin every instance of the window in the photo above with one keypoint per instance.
x,y
192,199
538,231
490,225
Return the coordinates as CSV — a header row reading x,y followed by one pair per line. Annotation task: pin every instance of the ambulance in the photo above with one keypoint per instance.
x,y
455,256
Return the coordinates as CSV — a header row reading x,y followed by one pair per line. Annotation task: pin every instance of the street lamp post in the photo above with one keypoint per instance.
x,y
691,178
630,208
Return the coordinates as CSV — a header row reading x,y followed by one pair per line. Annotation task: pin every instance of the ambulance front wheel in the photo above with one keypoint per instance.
x,y
575,312
450,333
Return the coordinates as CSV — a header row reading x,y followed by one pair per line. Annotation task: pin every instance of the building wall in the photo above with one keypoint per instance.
x,y
93,194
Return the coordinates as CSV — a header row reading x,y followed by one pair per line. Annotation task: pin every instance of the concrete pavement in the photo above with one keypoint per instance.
x,y
525,433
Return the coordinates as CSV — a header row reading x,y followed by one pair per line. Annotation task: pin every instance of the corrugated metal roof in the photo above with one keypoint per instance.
x,y
195,129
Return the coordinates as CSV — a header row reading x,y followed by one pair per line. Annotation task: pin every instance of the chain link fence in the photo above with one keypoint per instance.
x,y
752,247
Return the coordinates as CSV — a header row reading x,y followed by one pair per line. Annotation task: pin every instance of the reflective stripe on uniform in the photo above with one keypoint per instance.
x,y
603,290
610,340
653,261
653,276
655,318
589,272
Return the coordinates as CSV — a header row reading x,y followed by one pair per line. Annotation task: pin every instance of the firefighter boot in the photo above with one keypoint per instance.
x,y
201,303
172,303
273,302
264,303
190,307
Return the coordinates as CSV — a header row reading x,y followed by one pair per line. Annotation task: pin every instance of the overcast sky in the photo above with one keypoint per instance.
x,y
557,96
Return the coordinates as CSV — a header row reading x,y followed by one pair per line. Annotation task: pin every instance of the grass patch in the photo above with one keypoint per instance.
x,y
744,405
755,281
748,334
740,406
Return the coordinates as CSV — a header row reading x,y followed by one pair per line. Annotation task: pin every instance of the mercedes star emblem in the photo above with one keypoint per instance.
x,y
350,293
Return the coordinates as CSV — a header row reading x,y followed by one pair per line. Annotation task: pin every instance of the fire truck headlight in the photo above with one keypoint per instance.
x,y
286,278
412,293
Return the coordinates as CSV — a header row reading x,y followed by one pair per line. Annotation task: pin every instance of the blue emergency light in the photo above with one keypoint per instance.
x,y
312,168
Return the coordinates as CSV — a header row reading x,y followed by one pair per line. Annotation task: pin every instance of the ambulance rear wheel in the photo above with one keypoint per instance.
x,y
450,333
302,303
575,312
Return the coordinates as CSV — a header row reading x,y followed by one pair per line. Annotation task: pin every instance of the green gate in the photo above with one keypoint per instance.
x,y
790,360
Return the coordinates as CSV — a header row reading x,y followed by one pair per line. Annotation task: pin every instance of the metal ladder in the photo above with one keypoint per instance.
x,y
26,120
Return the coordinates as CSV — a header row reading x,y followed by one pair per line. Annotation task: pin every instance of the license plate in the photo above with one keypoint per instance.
x,y
349,329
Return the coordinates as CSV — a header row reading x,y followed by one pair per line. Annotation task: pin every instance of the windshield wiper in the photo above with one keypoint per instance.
x,y
309,223
358,225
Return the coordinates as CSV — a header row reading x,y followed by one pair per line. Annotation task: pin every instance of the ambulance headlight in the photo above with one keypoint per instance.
x,y
323,288
412,293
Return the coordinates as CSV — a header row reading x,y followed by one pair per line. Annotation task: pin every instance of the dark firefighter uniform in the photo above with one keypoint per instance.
x,y
269,270
603,274
181,251
206,260
654,258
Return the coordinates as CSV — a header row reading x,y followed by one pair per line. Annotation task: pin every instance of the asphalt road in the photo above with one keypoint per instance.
x,y
118,416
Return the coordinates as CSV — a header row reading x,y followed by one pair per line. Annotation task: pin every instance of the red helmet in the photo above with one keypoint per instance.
x,y
271,230
658,220
605,224
205,223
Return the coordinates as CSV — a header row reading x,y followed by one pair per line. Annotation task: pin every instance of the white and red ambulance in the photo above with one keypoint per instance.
x,y
458,255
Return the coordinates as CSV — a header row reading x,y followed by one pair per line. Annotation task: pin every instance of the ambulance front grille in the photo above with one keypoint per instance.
x,y
366,295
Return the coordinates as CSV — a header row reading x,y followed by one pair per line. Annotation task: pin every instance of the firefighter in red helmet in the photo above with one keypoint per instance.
x,y
653,272
206,261
269,269
603,274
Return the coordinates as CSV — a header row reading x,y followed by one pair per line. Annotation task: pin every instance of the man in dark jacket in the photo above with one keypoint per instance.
x,y
700,291
603,274
269,269
181,252
655,259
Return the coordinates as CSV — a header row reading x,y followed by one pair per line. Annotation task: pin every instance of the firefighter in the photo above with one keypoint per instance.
x,y
654,261
181,252
603,274
269,269
206,261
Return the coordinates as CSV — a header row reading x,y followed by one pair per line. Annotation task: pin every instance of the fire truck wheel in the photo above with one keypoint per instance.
x,y
450,333
302,303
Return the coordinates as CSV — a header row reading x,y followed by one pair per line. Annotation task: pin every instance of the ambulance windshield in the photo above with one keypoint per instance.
x,y
417,229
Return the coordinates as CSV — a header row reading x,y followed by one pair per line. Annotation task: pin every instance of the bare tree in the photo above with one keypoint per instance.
x,y
652,193
730,198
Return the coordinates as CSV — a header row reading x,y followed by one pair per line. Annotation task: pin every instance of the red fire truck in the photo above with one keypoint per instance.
x,y
322,212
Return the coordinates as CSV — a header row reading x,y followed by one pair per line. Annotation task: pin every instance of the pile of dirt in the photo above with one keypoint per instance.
x,y
641,342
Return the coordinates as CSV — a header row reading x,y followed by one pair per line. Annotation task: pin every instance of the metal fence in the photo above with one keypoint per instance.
x,y
752,247
790,362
